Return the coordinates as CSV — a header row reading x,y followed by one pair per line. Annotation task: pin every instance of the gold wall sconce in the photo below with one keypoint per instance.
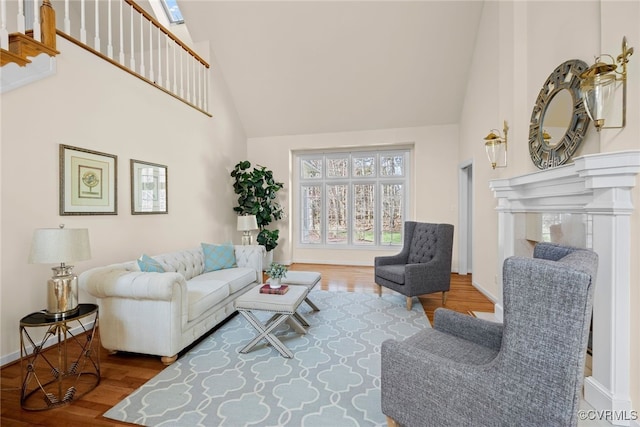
x,y
496,147
598,86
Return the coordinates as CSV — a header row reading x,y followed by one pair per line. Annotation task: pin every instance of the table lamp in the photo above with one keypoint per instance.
x,y
60,245
246,223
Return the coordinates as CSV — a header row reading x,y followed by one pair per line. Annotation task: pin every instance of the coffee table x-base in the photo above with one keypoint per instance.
x,y
283,308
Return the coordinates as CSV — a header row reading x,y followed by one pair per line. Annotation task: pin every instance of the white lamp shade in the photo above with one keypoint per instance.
x,y
247,222
59,245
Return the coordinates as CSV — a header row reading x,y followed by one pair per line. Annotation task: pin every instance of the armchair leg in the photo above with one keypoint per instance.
x,y
409,303
379,290
392,423
444,297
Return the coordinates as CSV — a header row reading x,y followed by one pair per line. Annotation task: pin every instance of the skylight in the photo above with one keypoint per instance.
x,y
173,11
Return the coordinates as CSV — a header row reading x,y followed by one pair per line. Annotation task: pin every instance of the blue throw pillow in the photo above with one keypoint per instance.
x,y
218,257
148,264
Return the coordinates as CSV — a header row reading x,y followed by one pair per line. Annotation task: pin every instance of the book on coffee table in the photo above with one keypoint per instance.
x,y
266,289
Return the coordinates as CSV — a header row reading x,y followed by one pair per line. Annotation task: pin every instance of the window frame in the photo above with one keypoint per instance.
x,y
377,180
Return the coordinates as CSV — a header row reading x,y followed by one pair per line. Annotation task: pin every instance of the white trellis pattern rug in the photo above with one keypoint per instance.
x,y
332,380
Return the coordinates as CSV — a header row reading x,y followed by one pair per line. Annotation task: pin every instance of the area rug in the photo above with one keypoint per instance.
x,y
333,379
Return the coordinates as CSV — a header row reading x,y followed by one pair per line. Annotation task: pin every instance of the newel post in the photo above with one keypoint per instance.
x,y
48,24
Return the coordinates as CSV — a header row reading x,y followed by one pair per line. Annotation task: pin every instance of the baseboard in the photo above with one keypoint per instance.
x,y
338,262
601,400
484,292
12,357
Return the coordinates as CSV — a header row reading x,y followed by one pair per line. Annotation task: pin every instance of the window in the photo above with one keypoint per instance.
x,y
355,199
173,11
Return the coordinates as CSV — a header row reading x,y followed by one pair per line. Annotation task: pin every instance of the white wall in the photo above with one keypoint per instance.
x,y
519,44
433,184
91,104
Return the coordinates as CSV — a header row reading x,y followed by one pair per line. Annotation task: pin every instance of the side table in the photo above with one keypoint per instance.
x,y
56,377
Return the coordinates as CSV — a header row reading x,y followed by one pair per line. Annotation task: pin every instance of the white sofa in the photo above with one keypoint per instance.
x,y
162,313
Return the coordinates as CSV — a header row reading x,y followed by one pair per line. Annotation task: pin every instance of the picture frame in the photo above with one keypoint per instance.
x,y
149,188
88,182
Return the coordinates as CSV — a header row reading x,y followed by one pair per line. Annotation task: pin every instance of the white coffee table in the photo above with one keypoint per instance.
x,y
303,278
283,308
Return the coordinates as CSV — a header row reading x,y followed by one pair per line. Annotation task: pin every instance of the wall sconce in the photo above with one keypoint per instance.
x,y
496,147
246,223
598,85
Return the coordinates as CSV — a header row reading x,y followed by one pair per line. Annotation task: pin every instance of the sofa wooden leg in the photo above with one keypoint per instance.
x,y
392,423
444,297
409,303
379,290
168,360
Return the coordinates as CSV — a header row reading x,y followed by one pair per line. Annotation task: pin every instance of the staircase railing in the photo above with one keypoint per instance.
x,y
124,34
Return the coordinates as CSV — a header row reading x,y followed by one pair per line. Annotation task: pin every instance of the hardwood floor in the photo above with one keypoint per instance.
x,y
123,373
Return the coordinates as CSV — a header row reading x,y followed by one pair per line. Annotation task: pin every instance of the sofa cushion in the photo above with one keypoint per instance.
x,y
218,257
204,293
148,264
237,278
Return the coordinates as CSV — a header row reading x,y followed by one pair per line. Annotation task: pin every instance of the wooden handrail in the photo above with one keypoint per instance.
x,y
128,70
167,32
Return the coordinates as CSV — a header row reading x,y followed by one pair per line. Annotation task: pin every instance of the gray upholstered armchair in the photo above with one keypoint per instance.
x,y
529,372
424,264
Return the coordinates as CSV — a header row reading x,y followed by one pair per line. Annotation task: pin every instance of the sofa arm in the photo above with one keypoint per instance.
x,y
479,331
251,256
113,281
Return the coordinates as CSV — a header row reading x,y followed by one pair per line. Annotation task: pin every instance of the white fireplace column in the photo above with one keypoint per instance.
x,y
600,186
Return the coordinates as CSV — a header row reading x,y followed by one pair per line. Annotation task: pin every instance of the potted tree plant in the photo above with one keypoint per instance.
x,y
257,190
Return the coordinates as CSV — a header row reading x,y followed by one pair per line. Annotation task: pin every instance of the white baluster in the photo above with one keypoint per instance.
x,y
181,52
83,23
4,33
142,69
159,56
67,20
206,89
175,71
96,38
121,53
151,52
132,65
37,31
20,18
187,78
167,84
200,85
110,35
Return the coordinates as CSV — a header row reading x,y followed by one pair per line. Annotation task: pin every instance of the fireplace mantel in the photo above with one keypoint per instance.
x,y
599,185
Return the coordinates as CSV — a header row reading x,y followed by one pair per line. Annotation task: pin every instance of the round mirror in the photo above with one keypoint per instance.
x,y
559,120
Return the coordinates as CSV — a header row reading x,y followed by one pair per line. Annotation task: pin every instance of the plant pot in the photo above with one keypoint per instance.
x,y
274,283
267,259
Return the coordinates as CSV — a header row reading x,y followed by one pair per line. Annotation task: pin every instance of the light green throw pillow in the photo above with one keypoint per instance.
x,y
218,257
148,264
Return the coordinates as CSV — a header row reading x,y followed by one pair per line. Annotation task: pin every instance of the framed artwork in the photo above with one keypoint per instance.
x,y
149,188
88,182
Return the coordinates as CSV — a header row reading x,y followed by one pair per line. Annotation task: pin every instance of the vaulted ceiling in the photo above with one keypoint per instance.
x,y
301,67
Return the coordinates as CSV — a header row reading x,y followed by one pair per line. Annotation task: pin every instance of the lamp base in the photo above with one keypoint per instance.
x,y
247,238
62,293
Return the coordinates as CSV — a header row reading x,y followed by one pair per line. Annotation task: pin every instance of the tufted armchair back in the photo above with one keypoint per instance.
x,y
424,243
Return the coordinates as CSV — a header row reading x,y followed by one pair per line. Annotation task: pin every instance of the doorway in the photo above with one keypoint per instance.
x,y
465,217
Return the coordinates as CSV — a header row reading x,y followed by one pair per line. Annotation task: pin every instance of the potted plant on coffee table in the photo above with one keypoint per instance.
x,y
276,272
257,191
